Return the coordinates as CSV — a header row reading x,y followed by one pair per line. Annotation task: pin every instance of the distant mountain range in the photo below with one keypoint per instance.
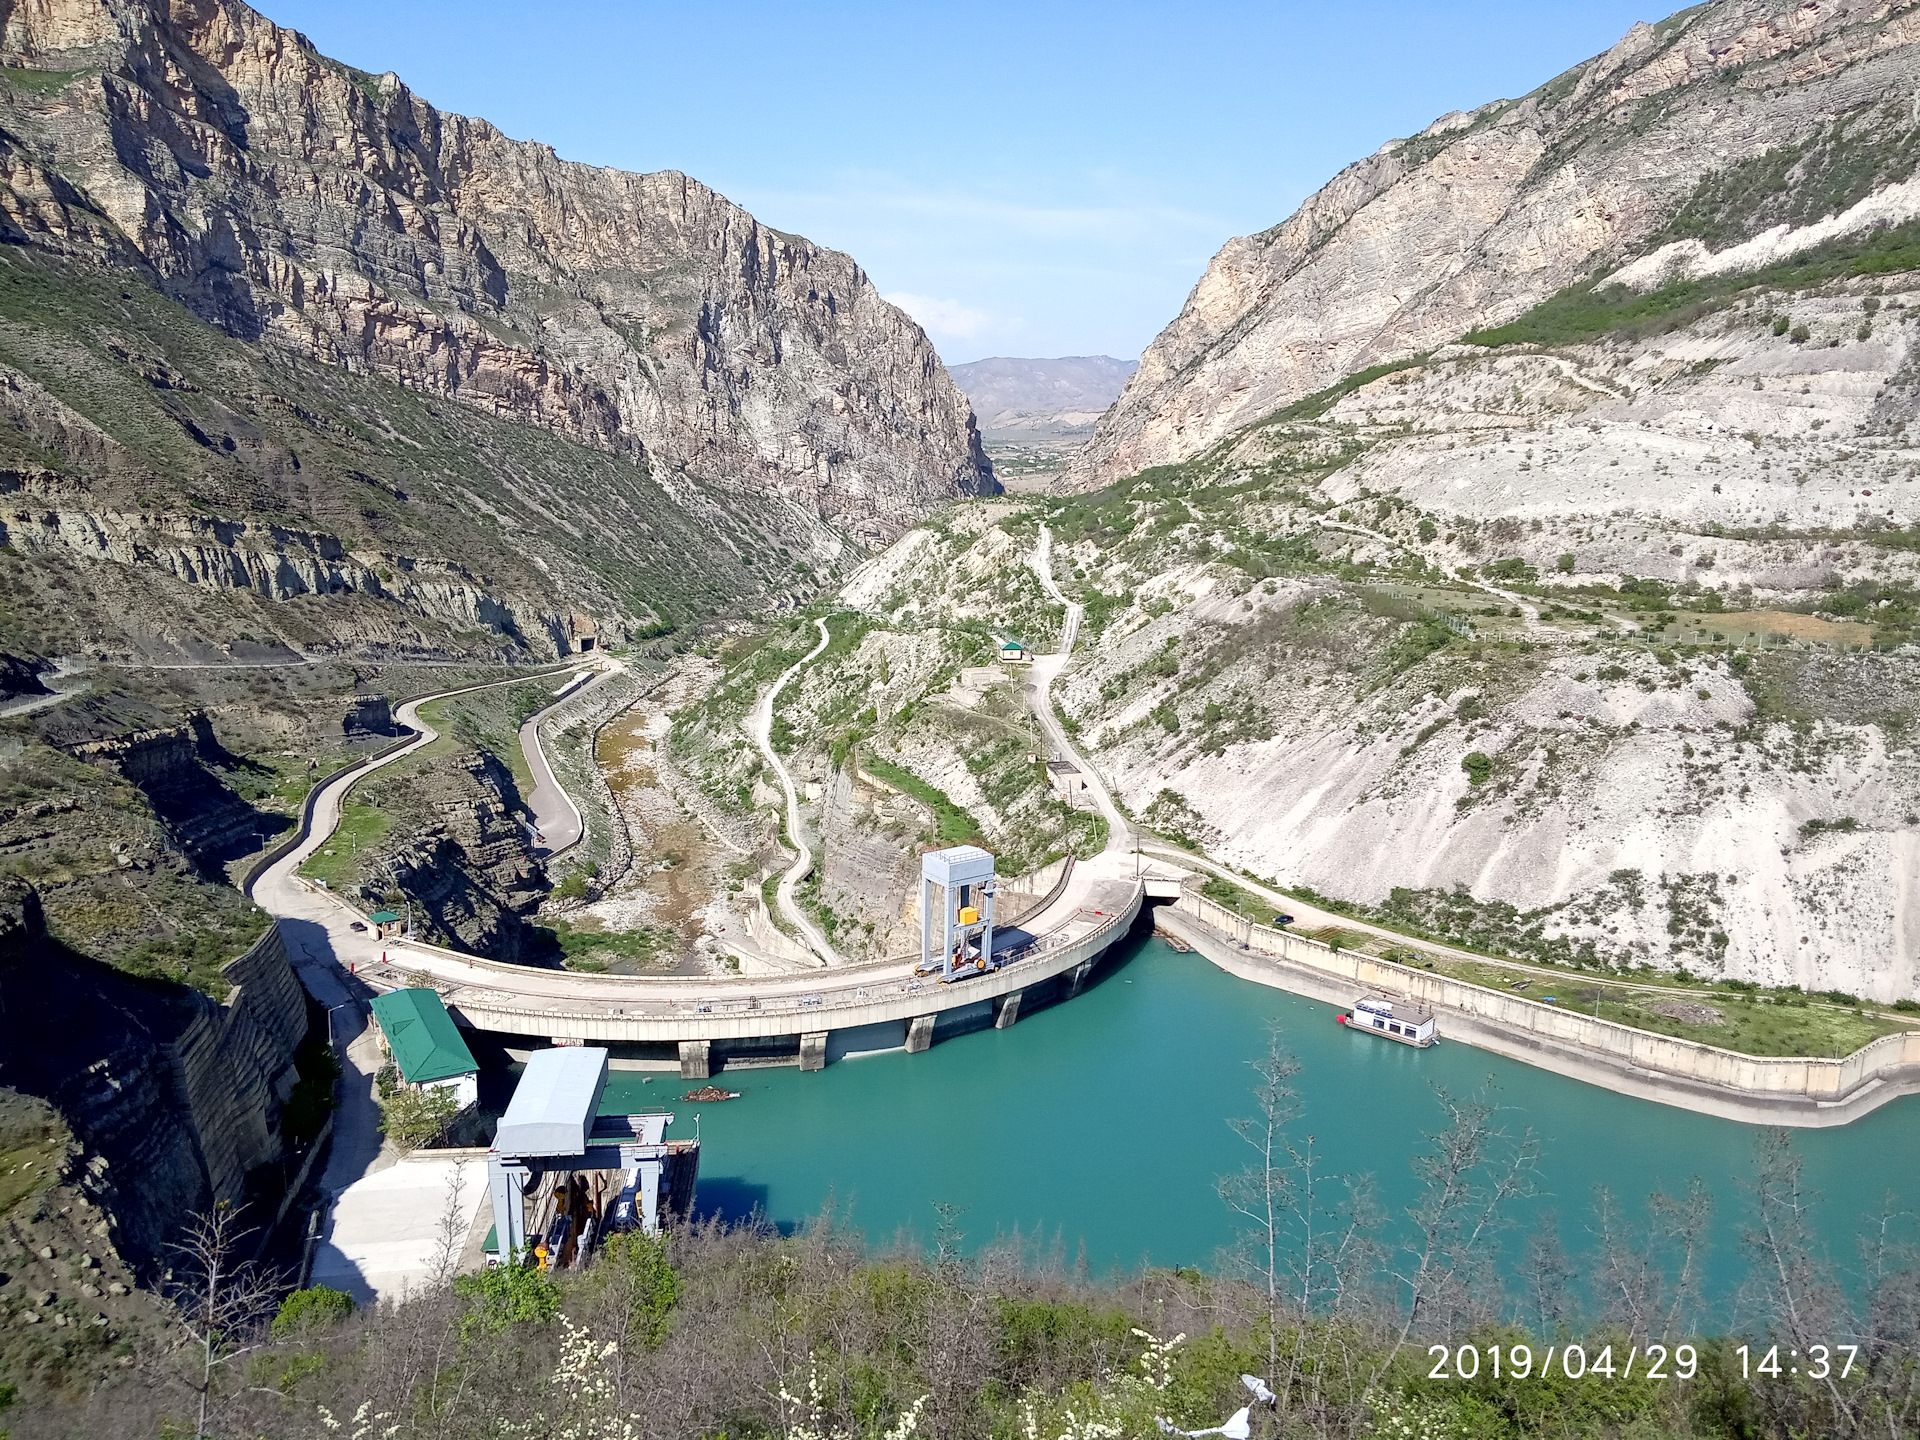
x,y
1024,399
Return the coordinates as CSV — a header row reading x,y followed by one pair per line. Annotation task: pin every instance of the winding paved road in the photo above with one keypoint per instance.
x,y
1046,669
760,729
557,821
1099,892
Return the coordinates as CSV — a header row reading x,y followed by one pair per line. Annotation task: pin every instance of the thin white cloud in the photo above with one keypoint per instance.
x,y
1127,224
944,317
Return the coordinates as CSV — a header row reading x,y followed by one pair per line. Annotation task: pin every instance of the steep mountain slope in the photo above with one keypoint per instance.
x,y
313,397
1714,125
1518,542
283,196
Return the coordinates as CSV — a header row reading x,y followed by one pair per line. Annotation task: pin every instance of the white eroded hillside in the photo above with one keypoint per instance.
x,y
1599,649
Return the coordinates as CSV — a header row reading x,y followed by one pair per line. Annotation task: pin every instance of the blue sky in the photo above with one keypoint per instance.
x,y
1027,179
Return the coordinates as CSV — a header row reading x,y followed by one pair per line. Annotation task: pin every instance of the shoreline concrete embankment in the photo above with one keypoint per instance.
x,y
1800,1091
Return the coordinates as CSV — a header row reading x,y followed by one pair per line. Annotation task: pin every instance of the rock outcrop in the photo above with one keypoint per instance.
x,y
285,197
203,815
176,1098
1806,107
368,715
460,853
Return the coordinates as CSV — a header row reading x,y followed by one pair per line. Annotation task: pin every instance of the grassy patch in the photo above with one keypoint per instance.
x,y
1313,406
39,82
770,897
951,824
361,825
597,951
197,955
1594,309
27,1167
1752,1023
1242,902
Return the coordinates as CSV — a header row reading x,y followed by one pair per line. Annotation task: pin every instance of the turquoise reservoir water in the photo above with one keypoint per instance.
x,y
1103,1123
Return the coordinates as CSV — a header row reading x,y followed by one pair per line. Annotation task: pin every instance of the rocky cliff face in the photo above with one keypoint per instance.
x,y
460,852
285,197
176,1098
1714,125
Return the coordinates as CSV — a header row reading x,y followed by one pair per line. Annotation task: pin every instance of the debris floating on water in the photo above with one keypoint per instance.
x,y
711,1092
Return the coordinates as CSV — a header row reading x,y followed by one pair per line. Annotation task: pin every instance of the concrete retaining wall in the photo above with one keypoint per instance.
x,y
1789,1090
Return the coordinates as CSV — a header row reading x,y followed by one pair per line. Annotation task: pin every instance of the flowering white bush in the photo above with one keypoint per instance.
x,y
363,1423
805,1417
1422,1417
1118,1406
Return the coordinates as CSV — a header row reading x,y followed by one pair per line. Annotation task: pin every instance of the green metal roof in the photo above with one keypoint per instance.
x,y
384,917
425,1042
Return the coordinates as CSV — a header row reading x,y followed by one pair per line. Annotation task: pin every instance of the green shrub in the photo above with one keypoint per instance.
x,y
318,1307
503,1295
640,1264
1478,767
1564,564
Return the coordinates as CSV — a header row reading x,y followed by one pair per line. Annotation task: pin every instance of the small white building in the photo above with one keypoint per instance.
x,y
1394,1019
425,1045
1065,779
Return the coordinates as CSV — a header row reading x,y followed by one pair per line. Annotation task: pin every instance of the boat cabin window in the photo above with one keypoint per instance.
x,y
1379,1023
1394,1028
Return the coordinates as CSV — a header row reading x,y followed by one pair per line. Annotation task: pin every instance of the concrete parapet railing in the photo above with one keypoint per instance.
x,y
1014,891
678,1007
1813,1079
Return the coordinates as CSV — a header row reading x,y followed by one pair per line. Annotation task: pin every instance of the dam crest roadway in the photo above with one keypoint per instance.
x,y
833,1010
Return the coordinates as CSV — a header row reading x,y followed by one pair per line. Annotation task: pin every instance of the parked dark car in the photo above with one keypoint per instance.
x,y
1283,919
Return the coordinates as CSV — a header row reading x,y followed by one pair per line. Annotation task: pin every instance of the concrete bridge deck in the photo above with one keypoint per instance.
x,y
1095,909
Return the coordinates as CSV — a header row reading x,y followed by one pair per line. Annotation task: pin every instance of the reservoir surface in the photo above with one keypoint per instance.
x,y
1101,1126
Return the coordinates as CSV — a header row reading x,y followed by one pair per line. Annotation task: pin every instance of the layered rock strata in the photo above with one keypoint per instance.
x,y
286,197
176,1098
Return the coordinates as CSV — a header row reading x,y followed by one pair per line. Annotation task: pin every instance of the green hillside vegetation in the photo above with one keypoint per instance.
x,y
1827,174
951,824
1594,309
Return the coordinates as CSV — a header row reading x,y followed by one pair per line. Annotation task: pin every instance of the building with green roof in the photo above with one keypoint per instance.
x,y
425,1043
